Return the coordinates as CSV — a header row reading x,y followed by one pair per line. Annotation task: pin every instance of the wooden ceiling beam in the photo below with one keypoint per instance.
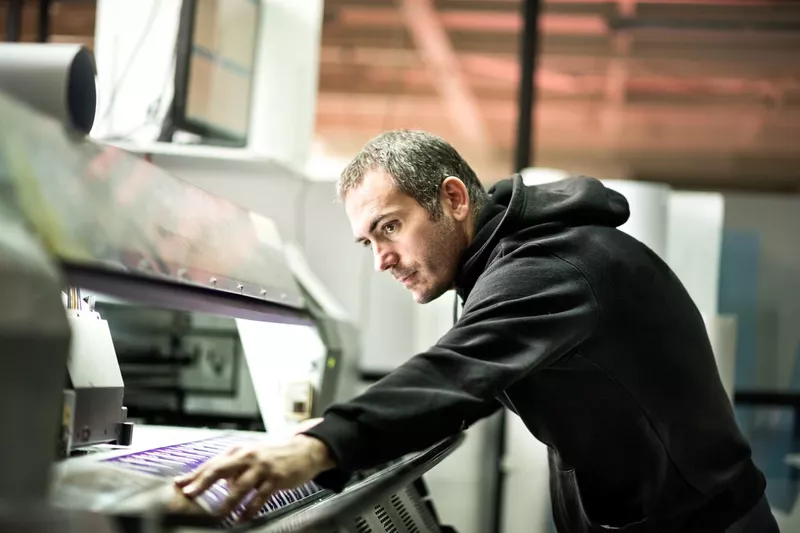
x,y
736,49
766,68
467,20
444,69
498,77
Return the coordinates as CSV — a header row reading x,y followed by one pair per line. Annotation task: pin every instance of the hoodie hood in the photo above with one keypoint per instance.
x,y
514,206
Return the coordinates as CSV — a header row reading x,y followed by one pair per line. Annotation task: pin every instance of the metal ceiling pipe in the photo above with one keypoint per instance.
x,y
529,50
43,30
524,158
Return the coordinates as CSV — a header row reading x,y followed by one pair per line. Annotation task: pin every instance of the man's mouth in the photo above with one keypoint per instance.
x,y
405,280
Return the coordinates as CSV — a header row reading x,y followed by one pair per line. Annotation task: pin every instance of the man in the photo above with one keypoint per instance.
x,y
568,322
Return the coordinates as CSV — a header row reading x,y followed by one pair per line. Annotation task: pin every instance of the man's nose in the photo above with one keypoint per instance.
x,y
385,258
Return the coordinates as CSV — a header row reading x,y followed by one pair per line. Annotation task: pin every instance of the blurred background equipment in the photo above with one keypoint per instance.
x,y
93,400
56,80
215,59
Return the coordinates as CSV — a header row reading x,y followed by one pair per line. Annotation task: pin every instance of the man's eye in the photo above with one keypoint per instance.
x,y
390,228
366,244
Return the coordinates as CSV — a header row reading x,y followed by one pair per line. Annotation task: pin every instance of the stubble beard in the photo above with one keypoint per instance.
x,y
441,257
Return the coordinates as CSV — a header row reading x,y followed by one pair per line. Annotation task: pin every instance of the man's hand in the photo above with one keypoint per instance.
x,y
262,468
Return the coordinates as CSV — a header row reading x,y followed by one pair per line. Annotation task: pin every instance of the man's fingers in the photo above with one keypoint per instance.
x,y
258,501
240,488
182,481
185,479
229,467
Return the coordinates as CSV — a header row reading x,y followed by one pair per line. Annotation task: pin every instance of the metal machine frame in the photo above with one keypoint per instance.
x,y
75,214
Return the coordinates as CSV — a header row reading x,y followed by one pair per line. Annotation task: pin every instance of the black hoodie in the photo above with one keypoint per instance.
x,y
589,337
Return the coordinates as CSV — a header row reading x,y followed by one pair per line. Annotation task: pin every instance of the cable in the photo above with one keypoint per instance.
x,y
529,52
73,298
155,106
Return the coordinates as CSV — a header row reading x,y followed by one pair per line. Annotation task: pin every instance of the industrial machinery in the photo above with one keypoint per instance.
x,y
199,369
119,278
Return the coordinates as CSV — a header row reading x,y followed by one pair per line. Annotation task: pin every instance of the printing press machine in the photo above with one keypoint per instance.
x,y
92,240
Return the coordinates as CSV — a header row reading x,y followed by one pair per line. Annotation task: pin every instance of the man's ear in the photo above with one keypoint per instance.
x,y
455,198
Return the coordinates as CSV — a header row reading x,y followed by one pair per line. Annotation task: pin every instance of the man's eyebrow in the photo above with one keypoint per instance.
x,y
376,221
374,224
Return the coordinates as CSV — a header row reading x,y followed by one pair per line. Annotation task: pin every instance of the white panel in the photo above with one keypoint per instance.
x,y
648,204
540,175
455,504
133,51
722,334
387,316
694,244
92,359
526,505
774,220
343,266
285,88
433,320
461,485
278,355
308,278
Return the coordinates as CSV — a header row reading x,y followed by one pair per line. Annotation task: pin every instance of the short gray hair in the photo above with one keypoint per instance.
x,y
418,162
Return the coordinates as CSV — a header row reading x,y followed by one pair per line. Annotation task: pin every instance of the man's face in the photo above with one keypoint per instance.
x,y
420,253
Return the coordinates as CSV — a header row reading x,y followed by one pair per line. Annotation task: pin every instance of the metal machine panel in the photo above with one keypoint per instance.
x,y
119,226
34,342
358,508
90,336
100,208
126,482
95,383
339,374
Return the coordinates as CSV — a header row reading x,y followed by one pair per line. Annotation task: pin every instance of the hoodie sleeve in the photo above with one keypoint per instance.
x,y
525,311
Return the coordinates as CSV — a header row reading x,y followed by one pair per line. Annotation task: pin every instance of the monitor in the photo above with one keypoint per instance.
x,y
214,71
